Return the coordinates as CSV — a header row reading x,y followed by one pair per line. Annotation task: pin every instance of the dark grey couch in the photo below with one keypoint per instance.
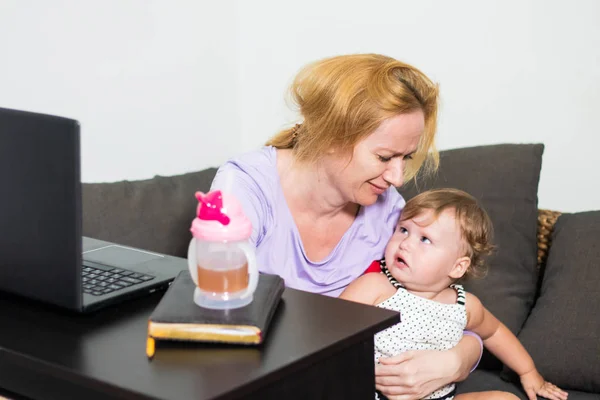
x,y
554,308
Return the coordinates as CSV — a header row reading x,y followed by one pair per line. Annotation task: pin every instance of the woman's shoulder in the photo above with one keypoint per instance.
x,y
264,157
257,166
252,178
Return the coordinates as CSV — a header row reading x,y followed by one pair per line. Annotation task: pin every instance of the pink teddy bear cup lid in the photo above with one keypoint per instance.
x,y
220,218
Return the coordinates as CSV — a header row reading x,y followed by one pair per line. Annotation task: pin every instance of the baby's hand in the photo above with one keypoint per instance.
x,y
534,384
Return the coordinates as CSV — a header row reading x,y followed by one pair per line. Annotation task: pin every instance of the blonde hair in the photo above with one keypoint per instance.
x,y
345,98
475,224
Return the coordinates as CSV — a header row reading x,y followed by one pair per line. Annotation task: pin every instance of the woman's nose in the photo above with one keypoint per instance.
x,y
394,172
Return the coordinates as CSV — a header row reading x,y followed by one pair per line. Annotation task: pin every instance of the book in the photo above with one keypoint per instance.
x,y
177,317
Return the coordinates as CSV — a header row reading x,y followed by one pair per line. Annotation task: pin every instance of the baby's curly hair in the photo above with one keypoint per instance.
x,y
475,224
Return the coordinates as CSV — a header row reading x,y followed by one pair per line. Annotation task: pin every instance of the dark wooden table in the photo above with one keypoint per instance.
x,y
317,348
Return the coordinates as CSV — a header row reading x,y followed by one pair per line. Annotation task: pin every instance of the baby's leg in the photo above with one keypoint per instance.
x,y
491,395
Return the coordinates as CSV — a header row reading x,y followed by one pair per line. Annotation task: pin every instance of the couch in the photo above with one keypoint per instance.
x,y
543,279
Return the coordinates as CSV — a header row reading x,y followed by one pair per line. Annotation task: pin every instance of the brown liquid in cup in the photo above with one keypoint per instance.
x,y
223,281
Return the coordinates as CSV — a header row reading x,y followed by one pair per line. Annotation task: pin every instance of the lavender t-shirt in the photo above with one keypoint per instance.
x,y
254,180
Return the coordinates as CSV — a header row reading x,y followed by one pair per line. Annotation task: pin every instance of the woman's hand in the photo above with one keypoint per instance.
x,y
415,374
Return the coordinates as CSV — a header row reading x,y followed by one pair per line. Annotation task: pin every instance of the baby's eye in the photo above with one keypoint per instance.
x,y
403,230
408,157
425,239
384,159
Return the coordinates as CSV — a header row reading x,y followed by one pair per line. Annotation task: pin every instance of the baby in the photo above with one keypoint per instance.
x,y
442,236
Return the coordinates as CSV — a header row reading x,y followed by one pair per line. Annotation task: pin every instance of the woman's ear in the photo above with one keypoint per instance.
x,y
460,267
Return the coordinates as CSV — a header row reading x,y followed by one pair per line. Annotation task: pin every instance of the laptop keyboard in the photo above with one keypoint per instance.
x,y
101,279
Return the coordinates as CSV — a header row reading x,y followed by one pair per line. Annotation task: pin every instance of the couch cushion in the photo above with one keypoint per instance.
x,y
562,333
153,214
504,178
482,380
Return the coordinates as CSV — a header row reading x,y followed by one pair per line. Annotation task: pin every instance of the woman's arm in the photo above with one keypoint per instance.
x,y
415,374
469,351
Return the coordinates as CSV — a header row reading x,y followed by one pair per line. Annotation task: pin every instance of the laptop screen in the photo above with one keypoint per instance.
x,y
40,207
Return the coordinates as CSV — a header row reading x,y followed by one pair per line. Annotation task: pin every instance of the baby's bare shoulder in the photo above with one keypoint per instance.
x,y
369,288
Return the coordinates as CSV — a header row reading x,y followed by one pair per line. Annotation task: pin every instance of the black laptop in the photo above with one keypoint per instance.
x,y
43,255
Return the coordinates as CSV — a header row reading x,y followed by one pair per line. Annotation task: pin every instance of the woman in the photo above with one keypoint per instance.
x,y
322,195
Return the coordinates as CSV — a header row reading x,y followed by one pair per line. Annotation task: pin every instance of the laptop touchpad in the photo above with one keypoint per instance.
x,y
119,256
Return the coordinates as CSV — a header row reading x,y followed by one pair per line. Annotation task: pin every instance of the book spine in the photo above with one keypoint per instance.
x,y
210,333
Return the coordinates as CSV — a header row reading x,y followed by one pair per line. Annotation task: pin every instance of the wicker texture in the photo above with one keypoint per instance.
x,y
546,221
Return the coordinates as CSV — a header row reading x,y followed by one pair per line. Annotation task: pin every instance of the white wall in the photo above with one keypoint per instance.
x,y
153,83
181,85
509,71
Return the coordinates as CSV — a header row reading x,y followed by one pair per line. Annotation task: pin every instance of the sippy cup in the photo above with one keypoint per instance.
x,y
220,257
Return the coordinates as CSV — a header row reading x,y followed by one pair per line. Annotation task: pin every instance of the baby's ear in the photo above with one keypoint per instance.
x,y
460,267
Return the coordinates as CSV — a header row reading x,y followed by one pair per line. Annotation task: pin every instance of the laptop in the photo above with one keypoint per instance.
x,y
43,255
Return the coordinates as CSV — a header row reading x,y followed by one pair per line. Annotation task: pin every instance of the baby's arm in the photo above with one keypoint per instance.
x,y
370,288
503,344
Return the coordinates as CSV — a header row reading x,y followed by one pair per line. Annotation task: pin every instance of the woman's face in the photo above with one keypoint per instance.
x,y
377,161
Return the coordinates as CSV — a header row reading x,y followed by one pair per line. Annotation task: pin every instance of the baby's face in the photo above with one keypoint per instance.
x,y
423,251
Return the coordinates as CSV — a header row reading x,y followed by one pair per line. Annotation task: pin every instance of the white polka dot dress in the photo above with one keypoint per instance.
x,y
425,325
